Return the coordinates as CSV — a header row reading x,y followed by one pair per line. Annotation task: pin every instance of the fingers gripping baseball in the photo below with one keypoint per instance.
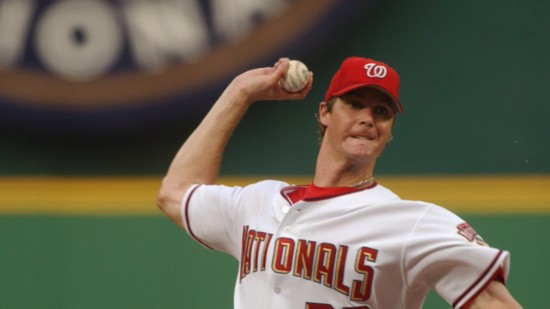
x,y
264,83
296,77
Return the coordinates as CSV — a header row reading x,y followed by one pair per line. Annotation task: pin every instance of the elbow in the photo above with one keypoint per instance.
x,y
166,196
169,199
162,200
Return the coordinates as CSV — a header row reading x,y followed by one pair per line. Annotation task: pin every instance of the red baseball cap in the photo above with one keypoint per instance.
x,y
357,72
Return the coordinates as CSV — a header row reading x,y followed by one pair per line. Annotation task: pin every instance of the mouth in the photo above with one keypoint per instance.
x,y
365,138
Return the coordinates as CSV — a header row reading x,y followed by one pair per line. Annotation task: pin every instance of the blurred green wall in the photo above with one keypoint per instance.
x,y
147,262
474,87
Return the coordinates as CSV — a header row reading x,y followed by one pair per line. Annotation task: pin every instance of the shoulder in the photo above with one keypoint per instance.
x,y
269,184
382,193
379,196
386,196
426,213
261,185
413,213
224,191
265,187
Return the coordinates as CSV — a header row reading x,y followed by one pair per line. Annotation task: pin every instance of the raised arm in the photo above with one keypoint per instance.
x,y
199,158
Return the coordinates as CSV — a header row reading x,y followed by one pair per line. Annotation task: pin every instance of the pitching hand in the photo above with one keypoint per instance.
x,y
263,83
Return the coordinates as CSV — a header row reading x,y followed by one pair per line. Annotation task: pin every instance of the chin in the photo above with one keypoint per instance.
x,y
368,154
361,151
362,156
368,151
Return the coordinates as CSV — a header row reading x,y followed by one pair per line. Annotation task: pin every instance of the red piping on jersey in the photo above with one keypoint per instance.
x,y
294,194
498,275
187,219
313,193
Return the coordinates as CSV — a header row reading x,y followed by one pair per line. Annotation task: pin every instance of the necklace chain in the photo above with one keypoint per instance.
x,y
363,182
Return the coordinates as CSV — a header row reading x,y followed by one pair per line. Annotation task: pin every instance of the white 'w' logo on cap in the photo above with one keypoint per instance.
x,y
374,70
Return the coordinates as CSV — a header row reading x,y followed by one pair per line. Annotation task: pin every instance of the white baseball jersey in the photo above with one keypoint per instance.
x,y
314,248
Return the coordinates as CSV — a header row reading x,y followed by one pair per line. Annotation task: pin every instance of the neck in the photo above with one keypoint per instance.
x,y
335,172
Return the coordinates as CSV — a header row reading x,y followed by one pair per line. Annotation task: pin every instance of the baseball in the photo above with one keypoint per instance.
x,y
296,77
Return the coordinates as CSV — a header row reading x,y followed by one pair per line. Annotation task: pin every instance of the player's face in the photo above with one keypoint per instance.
x,y
359,124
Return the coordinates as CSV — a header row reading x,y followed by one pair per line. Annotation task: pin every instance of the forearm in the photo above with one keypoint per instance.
x,y
198,160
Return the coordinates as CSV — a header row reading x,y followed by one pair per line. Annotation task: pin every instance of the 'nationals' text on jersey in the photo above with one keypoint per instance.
x,y
324,263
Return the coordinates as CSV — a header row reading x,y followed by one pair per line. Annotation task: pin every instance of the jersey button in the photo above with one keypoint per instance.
x,y
285,209
277,290
287,229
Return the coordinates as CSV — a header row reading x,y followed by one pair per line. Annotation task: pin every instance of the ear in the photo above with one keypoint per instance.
x,y
324,113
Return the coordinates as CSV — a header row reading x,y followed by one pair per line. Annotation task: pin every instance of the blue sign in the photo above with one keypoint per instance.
x,y
97,67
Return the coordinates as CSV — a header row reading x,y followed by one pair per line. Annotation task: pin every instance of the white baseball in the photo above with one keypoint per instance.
x,y
296,77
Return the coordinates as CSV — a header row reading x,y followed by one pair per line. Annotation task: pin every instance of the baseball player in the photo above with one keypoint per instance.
x,y
344,240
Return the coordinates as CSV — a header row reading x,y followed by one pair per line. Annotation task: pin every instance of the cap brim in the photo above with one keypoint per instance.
x,y
396,105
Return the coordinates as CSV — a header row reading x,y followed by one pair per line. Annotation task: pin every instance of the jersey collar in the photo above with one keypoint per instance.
x,y
312,192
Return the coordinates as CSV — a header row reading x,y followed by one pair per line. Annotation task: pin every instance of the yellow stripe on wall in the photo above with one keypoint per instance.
x,y
136,195
78,195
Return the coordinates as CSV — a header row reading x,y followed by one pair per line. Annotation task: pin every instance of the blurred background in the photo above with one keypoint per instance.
x,y
97,96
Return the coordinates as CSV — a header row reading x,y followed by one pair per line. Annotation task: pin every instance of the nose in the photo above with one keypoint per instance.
x,y
366,117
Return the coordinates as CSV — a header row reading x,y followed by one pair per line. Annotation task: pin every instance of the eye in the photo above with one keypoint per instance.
x,y
355,104
383,111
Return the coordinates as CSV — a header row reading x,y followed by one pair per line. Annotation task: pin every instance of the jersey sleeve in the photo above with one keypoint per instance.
x,y
214,215
208,213
446,254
